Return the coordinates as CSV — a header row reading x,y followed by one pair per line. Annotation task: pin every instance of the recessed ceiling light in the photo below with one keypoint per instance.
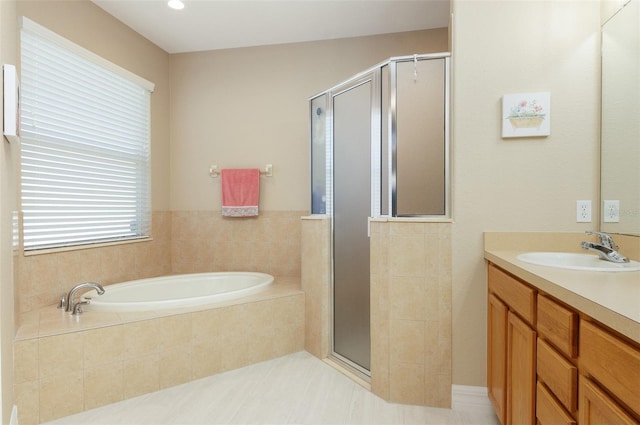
x,y
176,4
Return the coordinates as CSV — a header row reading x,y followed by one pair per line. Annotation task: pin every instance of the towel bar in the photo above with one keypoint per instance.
x,y
214,171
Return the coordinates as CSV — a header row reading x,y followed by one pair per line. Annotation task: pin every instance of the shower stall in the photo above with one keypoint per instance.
x,y
379,149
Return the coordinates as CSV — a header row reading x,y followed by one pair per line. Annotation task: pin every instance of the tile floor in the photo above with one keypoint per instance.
x,y
294,389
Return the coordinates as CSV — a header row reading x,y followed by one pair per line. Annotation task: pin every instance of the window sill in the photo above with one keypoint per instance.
x,y
81,247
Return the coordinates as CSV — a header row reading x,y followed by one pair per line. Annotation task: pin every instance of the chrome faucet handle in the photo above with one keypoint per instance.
x,y
604,239
77,308
63,301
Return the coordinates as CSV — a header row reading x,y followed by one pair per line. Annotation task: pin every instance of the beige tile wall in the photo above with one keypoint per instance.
x,y
43,278
411,312
380,309
316,281
205,241
64,374
183,242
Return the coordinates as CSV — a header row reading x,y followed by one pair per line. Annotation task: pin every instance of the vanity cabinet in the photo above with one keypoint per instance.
x,y
551,364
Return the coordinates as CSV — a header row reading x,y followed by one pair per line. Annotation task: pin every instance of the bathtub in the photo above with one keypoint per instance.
x,y
176,291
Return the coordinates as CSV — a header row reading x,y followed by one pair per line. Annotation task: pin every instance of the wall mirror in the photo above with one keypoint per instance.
x,y
620,126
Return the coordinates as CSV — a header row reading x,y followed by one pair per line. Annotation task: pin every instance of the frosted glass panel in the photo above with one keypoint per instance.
x,y
420,149
352,207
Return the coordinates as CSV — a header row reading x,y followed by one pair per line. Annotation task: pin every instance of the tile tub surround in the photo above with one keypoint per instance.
x,y
411,311
203,241
65,365
42,278
182,242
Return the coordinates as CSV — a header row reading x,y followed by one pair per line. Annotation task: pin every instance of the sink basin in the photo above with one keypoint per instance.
x,y
572,261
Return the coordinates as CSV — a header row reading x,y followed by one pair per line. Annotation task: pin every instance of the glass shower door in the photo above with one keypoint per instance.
x,y
351,209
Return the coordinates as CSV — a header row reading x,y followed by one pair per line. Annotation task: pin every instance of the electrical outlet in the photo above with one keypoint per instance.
x,y
611,212
583,211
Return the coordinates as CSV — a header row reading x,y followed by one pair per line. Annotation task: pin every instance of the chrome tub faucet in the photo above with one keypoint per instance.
x,y
606,248
67,301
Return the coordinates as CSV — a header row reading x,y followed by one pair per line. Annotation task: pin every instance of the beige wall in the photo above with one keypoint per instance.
x,y
249,107
529,184
8,196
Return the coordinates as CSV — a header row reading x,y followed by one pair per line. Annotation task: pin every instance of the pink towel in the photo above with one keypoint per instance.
x,y
240,192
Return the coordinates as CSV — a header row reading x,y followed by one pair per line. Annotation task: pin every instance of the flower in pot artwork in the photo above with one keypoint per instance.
x,y
526,115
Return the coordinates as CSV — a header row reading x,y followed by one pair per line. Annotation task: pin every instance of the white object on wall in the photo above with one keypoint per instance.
x,y
526,115
11,103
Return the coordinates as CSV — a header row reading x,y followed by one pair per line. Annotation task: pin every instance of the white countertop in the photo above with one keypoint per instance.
x,y
612,298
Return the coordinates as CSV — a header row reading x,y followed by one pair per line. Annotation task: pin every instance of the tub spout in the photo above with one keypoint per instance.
x,y
86,285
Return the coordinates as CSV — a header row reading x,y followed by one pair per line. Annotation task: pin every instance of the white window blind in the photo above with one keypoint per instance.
x,y
85,148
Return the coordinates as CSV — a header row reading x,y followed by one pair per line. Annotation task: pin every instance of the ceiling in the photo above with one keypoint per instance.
x,y
223,24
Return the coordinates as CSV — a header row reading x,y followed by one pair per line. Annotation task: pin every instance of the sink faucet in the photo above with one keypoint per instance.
x,y
69,304
606,248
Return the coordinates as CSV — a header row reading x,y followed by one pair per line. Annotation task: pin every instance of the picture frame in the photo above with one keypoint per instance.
x,y
526,115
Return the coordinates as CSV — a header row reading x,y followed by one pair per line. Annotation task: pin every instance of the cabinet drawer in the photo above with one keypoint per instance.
x,y
559,325
548,410
612,362
559,375
518,296
597,408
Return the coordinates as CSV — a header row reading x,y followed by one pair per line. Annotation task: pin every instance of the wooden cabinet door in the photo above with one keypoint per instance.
x,y
497,356
596,407
521,372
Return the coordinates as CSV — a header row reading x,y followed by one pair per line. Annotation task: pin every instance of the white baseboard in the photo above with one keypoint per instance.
x,y
465,397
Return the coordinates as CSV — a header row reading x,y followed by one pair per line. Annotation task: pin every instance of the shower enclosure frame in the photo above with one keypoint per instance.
x,y
383,166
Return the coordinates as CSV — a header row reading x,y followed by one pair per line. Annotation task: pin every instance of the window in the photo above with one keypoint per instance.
x,y
85,145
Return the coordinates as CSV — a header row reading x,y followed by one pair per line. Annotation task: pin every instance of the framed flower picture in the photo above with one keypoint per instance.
x,y
526,115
